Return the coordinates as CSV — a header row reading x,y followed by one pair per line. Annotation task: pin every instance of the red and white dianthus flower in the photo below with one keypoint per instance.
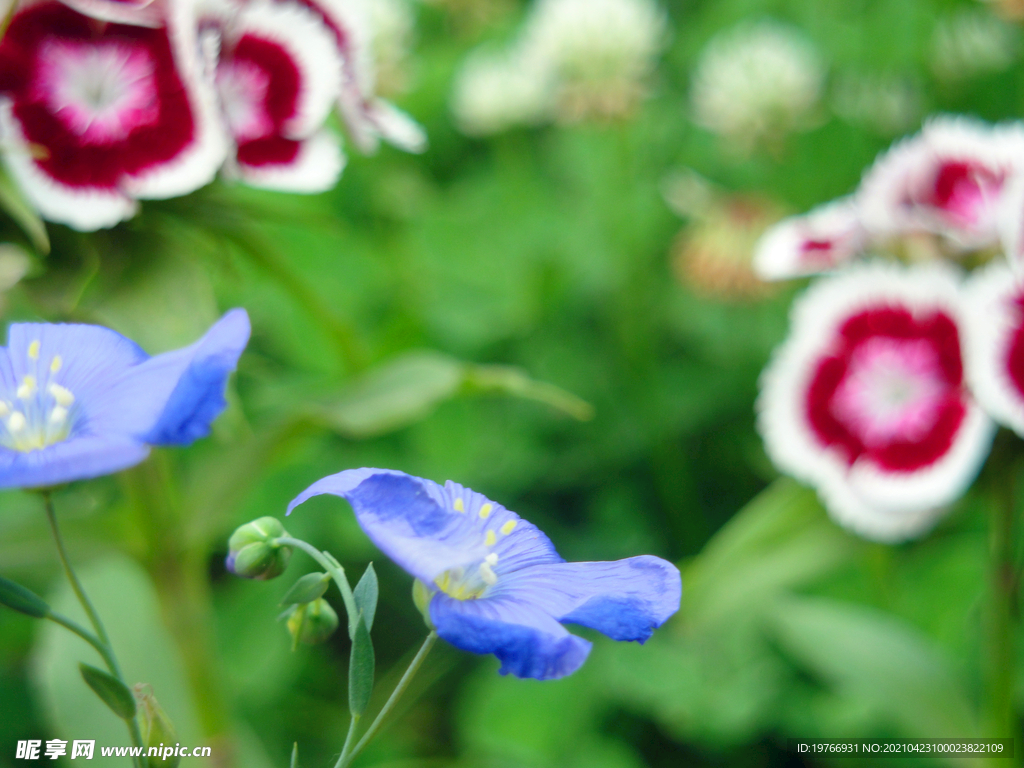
x,y
98,115
867,400
278,75
994,318
819,241
948,180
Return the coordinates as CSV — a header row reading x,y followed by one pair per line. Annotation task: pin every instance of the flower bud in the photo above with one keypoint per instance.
x,y
251,553
312,623
157,730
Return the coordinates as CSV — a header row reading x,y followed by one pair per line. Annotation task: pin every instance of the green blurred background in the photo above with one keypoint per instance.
x,y
431,314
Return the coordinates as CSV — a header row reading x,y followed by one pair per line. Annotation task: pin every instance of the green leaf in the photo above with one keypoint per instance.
x,y
13,202
507,380
780,540
22,599
877,658
307,589
112,691
410,386
398,393
360,669
365,594
295,756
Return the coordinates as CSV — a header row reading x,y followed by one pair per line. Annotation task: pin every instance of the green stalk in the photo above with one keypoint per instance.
x,y
347,758
333,567
1004,606
101,641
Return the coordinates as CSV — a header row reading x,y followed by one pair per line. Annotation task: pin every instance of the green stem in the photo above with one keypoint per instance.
x,y
101,641
102,649
348,739
1004,608
76,585
333,567
414,666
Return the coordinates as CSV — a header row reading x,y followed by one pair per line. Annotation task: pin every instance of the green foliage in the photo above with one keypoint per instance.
x,y
366,594
307,589
360,668
23,600
112,692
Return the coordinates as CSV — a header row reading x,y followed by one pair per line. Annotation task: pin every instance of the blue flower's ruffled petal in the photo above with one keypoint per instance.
x,y
87,358
527,640
78,458
171,399
624,599
428,529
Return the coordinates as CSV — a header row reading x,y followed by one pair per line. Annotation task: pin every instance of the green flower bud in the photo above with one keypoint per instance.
x,y
251,553
157,730
421,597
312,623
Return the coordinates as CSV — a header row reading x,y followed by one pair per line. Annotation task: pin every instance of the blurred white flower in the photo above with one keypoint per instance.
x,y
600,52
757,82
971,43
495,91
574,59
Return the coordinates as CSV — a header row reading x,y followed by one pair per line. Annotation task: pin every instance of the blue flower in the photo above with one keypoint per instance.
x,y
80,401
498,584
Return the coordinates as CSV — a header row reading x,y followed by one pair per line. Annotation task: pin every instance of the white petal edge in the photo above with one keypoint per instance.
x,y
990,323
198,163
316,169
83,209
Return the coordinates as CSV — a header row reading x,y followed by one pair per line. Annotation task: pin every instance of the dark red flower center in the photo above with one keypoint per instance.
x,y
891,389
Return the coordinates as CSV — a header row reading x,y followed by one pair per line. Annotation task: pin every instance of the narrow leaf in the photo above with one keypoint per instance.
x,y
398,393
360,669
13,202
112,691
365,594
295,756
22,600
515,382
307,589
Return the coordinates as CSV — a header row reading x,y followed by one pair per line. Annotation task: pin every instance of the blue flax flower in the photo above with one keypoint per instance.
x,y
80,401
498,584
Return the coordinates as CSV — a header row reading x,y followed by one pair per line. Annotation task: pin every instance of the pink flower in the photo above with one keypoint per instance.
x,y
278,75
819,241
995,348
947,180
98,115
866,400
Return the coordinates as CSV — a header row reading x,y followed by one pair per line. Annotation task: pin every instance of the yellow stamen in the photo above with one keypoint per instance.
x,y
27,388
508,527
58,414
16,422
56,363
4,409
458,506
490,539
485,511
33,350
490,578
63,396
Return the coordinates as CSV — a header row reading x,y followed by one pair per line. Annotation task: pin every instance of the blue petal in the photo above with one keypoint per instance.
x,y
77,458
428,529
91,357
527,641
624,599
171,399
